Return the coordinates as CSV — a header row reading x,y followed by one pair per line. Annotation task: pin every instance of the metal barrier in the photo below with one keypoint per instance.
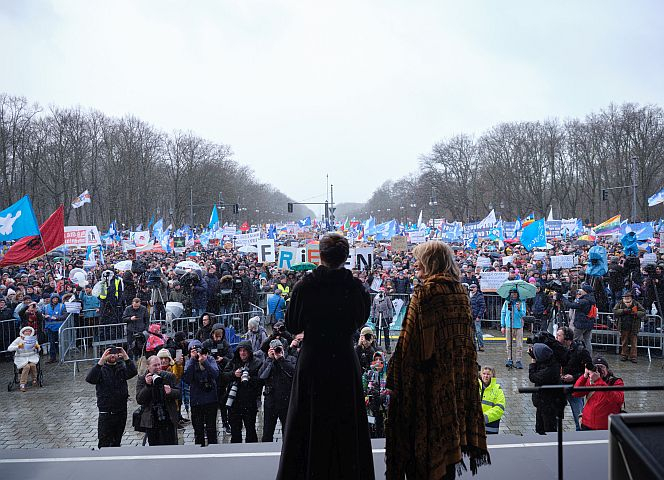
x,y
9,331
651,335
84,343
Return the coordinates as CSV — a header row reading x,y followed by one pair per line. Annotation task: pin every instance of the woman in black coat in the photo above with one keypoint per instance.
x,y
545,370
327,434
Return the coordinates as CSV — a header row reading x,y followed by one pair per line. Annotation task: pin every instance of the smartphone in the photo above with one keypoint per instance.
x,y
178,353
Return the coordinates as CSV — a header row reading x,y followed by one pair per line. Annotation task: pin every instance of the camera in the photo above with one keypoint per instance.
x,y
232,393
113,351
591,366
245,375
368,337
157,381
138,267
154,278
279,350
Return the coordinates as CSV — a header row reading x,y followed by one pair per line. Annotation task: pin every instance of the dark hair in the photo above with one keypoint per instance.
x,y
334,249
568,333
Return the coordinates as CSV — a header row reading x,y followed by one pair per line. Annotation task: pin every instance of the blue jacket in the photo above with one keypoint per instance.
x,y
478,305
202,382
505,314
199,297
277,305
582,308
54,315
90,303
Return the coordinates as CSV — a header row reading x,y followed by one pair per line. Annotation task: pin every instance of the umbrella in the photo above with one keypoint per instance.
x,y
248,249
188,265
301,267
525,289
123,266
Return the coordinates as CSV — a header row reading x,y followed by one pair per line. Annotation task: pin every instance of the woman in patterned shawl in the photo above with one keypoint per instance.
x,y
435,414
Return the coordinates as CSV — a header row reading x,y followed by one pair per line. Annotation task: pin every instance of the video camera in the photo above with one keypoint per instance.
x,y
189,280
154,279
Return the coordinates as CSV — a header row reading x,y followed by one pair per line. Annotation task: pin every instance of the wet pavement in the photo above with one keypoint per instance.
x,y
63,413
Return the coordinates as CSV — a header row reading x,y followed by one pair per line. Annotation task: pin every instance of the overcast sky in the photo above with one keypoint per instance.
x,y
357,89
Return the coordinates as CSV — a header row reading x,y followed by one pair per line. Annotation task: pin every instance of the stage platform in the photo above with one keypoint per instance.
x,y
530,456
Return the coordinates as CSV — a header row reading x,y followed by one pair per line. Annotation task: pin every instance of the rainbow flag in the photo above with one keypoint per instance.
x,y
612,225
528,220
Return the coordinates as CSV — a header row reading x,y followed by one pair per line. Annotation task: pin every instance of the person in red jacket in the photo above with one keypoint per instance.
x,y
599,405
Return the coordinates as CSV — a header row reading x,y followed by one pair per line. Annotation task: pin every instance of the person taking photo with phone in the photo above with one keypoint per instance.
x,y
110,376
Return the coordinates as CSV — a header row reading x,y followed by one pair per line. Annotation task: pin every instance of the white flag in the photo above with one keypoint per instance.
x,y
550,217
489,220
81,200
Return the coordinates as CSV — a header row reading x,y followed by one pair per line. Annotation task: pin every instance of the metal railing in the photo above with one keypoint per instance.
x,y
9,331
650,334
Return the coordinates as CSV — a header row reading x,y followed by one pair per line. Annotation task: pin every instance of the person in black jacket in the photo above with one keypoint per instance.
x,y
545,370
110,377
277,373
241,374
540,308
221,351
573,367
478,309
280,333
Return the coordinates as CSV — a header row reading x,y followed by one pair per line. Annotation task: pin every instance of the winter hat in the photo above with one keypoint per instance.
x,y
366,330
164,353
253,322
154,328
586,288
532,280
276,343
25,330
218,326
10,292
601,361
542,352
194,344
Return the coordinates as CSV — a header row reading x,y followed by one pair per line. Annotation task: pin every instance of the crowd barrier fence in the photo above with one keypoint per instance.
x,y
650,336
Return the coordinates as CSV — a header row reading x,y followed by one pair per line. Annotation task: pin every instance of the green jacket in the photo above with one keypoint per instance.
x,y
493,405
628,319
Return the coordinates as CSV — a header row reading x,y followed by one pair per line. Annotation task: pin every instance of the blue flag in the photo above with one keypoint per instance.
x,y
157,228
18,221
305,222
386,231
151,221
370,226
656,198
534,235
471,244
214,218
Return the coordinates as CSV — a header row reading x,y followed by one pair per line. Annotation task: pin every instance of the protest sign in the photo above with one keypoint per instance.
x,y
364,258
490,281
417,237
179,244
562,261
313,253
539,256
483,262
649,259
508,259
287,257
82,236
246,239
140,238
266,251
375,285
399,244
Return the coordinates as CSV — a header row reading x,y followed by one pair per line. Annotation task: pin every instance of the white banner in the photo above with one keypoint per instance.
x,y
82,236
508,259
562,261
245,239
483,262
417,237
140,239
490,281
649,259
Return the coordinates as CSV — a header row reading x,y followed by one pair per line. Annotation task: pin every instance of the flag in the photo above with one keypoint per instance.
x,y
643,231
244,228
370,226
471,243
550,217
518,226
534,235
18,221
528,220
386,231
305,222
656,199
419,219
52,233
346,226
214,218
157,228
497,232
489,220
612,225
81,200
272,231
151,221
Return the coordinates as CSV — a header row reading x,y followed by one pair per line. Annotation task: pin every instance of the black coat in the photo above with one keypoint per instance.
x,y
327,434
146,395
278,378
111,384
577,359
248,393
550,404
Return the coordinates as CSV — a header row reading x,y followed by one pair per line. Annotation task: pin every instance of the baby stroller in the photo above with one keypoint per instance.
x,y
26,351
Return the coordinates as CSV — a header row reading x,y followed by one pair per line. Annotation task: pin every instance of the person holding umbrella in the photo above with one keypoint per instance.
x,y
511,318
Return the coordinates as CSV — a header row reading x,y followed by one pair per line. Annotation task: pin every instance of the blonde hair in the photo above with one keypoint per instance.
x,y
490,368
436,257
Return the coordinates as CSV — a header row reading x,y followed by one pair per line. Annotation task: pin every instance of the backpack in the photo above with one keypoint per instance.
x,y
593,313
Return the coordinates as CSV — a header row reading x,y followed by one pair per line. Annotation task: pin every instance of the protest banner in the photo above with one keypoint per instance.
x,y
364,258
246,239
313,253
491,281
508,259
649,259
141,238
483,262
82,236
417,237
179,244
539,256
375,285
399,244
562,261
266,251
287,257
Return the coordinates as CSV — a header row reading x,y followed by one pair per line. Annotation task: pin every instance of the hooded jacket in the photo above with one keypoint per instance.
x,y
202,380
220,349
247,392
25,347
582,306
54,313
199,296
278,378
546,371
477,304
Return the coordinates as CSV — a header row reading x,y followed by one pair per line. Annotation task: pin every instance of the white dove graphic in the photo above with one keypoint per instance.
x,y
7,223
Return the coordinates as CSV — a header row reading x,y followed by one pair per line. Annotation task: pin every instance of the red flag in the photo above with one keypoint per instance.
x,y
27,248
244,227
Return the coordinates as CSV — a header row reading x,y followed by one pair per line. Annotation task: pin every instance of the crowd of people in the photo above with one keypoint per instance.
x,y
202,372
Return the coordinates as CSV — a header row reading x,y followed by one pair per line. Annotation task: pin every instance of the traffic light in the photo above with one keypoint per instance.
x,y
605,195
236,208
290,208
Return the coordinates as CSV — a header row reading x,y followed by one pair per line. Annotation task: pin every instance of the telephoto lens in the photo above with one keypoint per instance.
x,y
245,375
232,393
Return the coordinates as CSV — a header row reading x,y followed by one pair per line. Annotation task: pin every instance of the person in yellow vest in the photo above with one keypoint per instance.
x,y
493,399
284,287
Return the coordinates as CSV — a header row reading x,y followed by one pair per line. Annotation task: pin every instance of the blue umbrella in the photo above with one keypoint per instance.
x,y
525,289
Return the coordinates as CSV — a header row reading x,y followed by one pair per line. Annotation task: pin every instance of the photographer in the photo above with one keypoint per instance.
x,y
280,333
225,294
365,348
573,366
583,324
382,312
296,345
599,405
540,308
110,377
629,314
212,282
244,391
277,373
136,317
220,350
158,391
549,405
201,373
